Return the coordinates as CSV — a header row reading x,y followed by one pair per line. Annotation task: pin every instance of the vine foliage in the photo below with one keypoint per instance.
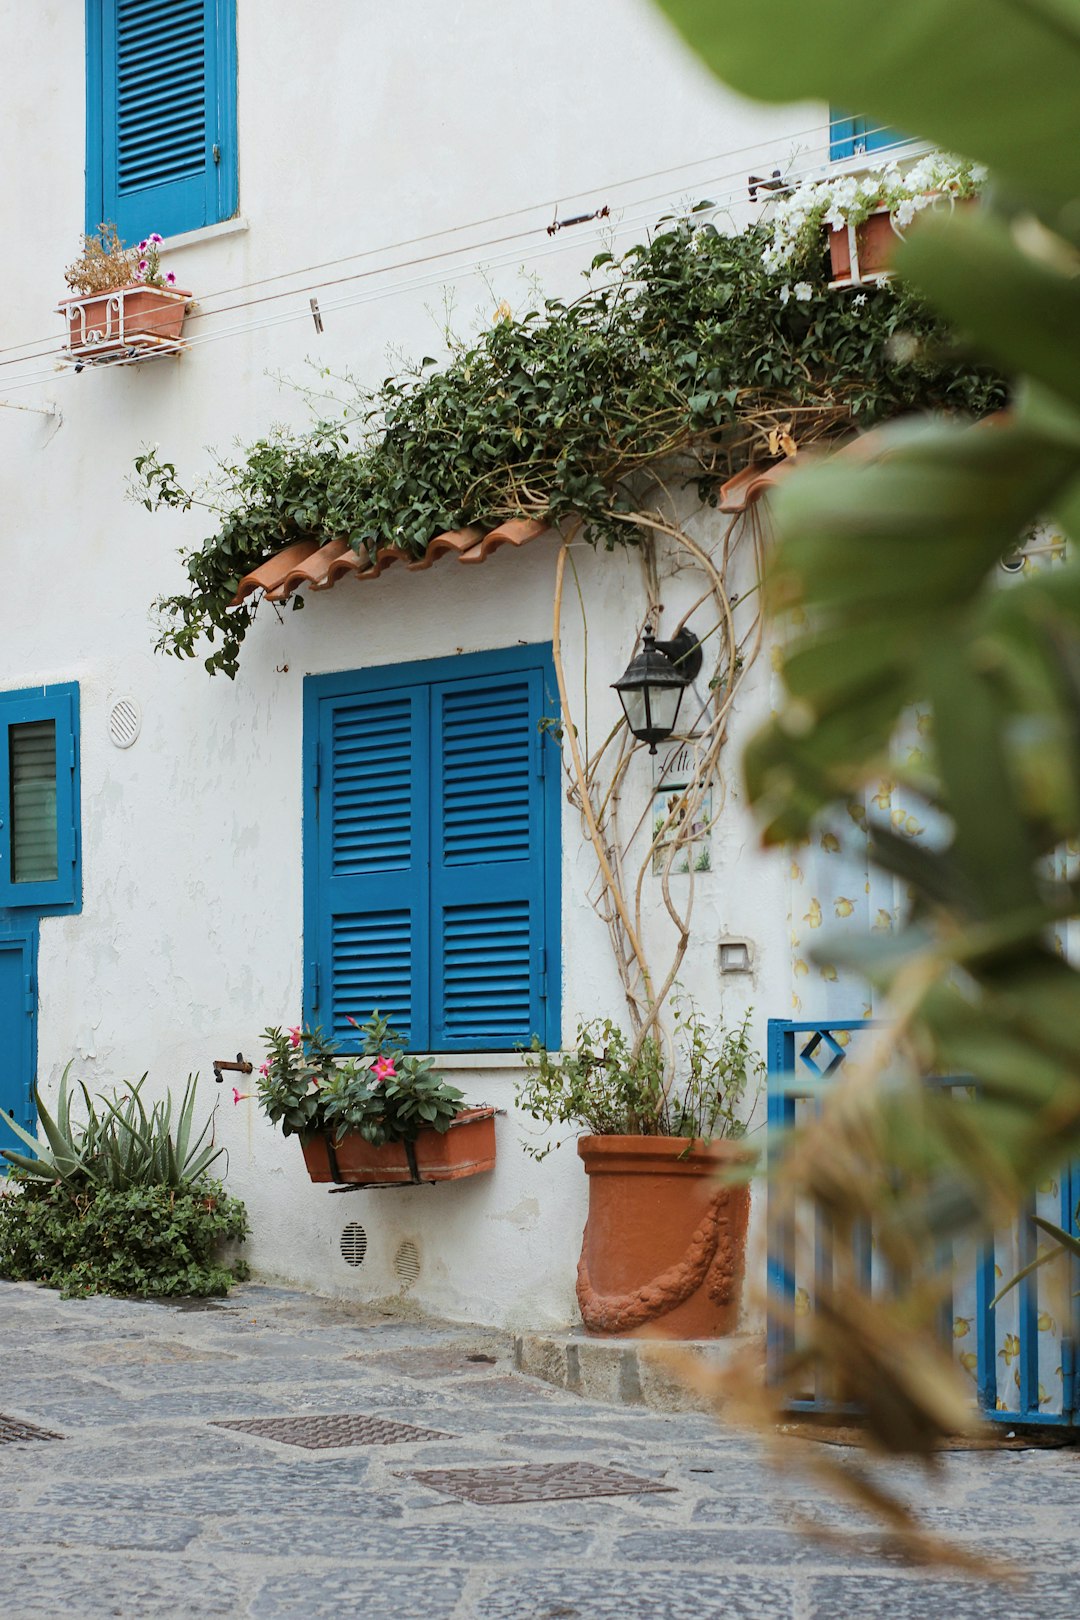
x,y
680,353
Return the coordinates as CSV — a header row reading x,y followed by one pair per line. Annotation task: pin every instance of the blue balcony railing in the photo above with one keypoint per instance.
x,y
1020,1354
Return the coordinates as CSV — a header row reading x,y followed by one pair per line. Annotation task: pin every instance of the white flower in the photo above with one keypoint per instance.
x,y
803,291
905,213
859,300
785,293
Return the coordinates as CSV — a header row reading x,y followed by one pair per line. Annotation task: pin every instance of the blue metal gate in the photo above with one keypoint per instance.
x,y
1023,1362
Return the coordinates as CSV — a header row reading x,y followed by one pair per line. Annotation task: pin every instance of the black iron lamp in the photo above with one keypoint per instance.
x,y
652,687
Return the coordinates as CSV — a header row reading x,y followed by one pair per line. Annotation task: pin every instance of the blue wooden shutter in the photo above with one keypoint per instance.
x,y
488,888
370,893
39,842
161,114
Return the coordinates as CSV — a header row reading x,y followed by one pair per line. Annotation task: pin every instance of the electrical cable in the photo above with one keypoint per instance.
x,y
446,231
610,230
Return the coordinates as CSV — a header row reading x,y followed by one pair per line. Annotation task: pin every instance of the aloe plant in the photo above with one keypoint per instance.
x,y
120,1145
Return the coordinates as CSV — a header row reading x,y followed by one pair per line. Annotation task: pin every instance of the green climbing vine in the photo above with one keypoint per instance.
x,y
684,352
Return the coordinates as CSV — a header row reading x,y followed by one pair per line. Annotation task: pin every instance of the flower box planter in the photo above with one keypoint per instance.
x,y
862,252
135,321
664,1245
466,1149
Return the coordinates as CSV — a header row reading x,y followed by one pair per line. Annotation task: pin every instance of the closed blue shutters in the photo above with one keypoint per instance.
x,y
161,115
432,852
39,800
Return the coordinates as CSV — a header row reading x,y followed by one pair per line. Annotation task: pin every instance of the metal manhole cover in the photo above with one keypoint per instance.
x,y
12,1430
533,1482
338,1429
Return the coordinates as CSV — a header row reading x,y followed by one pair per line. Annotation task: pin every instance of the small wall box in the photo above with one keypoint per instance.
x,y
735,956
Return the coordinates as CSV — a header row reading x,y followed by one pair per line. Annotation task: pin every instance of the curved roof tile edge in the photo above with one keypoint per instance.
x,y
307,565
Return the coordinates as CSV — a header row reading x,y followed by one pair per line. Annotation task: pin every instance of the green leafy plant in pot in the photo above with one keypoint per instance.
x,y
663,1146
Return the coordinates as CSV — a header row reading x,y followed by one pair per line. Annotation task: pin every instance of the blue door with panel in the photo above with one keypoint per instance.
x,y
40,867
18,1027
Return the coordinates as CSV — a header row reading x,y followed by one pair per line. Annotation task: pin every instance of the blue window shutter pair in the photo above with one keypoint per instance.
x,y
39,800
432,852
161,115
848,136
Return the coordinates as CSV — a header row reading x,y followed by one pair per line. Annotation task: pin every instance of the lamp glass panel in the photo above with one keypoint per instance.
x,y
635,707
664,707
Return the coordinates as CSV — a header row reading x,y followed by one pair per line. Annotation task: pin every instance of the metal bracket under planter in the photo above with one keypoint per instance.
x,y
343,1186
467,1148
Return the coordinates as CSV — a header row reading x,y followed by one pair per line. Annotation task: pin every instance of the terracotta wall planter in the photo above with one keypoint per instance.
x,y
664,1245
466,1149
110,325
873,243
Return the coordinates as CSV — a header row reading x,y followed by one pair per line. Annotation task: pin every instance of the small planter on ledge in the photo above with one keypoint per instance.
x,y
862,252
467,1148
123,306
423,1129
129,322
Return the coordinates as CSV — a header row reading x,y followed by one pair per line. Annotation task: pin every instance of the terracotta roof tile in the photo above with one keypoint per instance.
x,y
749,484
308,566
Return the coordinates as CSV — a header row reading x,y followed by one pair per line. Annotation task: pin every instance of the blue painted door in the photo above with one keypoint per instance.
x,y
18,1029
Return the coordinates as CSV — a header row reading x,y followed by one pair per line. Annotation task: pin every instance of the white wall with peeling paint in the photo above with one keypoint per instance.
x,y
360,129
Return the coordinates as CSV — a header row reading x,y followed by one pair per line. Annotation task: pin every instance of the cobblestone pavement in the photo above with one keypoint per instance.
x,y
146,1508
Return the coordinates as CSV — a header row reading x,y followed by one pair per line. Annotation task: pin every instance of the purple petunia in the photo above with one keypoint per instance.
x,y
171,279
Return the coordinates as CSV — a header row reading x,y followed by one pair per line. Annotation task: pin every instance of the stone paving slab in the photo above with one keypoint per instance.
x,y
145,1511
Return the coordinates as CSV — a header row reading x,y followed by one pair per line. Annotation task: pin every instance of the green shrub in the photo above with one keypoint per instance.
x,y
147,1241
118,1145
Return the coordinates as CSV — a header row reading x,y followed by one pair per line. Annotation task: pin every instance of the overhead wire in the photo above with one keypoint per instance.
x,y
610,229
481,224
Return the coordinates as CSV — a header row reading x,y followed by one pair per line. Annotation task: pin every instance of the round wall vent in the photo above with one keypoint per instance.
x,y
407,1262
125,722
353,1244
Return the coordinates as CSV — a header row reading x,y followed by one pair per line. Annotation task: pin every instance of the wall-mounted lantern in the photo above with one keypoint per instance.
x,y
651,689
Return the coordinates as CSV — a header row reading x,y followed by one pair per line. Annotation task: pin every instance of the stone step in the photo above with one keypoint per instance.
x,y
661,1373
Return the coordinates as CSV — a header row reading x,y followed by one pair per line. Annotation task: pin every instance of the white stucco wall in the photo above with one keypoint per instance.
x,y
359,129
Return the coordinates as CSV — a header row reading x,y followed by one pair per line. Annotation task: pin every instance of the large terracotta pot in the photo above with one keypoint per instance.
x,y
875,242
664,1245
466,1149
135,317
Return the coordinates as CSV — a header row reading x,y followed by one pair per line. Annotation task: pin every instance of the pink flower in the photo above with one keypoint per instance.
x,y
144,265
171,279
294,1036
383,1069
239,1096
143,246
264,1069
154,237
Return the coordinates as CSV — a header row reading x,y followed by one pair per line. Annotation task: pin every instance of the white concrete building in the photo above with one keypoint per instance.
x,y
369,158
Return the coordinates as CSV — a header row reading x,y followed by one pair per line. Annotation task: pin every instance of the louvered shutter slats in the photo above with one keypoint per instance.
x,y
487,862
373,862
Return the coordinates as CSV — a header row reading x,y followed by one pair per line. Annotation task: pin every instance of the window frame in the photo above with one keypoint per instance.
x,y
221,199
61,895
429,674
